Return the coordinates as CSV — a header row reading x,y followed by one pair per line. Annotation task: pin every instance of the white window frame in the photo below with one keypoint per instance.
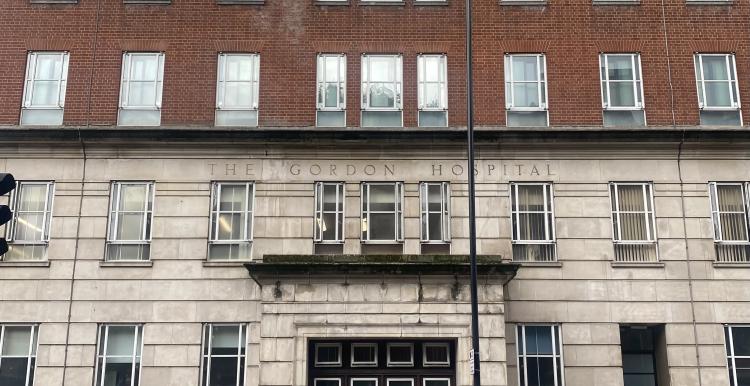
x,y
648,201
731,64
328,364
221,82
557,351
398,211
249,212
541,83
731,356
366,379
206,355
101,352
340,83
637,80
445,212
442,81
397,63
426,363
364,364
31,354
715,213
14,203
391,363
114,213
389,380
340,199
549,213
338,380
30,81
127,73
445,379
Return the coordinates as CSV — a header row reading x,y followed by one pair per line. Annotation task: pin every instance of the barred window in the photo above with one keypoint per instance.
x,y
382,211
331,100
44,89
633,221
540,359
231,221
533,221
432,74
141,89
737,342
526,90
435,212
130,220
18,346
730,220
382,90
28,231
118,358
329,212
224,347
718,93
237,91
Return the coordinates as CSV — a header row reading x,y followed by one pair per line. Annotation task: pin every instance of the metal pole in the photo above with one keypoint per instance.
x,y
472,195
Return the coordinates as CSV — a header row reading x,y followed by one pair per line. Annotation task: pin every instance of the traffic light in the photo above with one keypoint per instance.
x,y
7,183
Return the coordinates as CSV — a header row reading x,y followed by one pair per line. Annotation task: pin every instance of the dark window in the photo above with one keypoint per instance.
x,y
738,354
639,355
364,354
436,354
327,354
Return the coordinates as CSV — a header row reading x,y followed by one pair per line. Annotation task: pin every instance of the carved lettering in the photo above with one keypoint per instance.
x,y
350,170
457,170
249,169
389,169
439,169
369,170
294,169
229,168
332,170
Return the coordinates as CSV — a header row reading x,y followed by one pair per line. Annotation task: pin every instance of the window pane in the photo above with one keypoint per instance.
x,y
622,94
538,340
382,69
531,197
332,70
432,96
331,95
121,341
631,197
225,340
239,67
364,353
431,68
327,382
224,371
715,68
436,382
130,226
526,95
364,382
33,197
45,93
525,68
327,353
118,372
620,67
400,354
436,353
329,226
382,197
238,94
741,337
532,226
13,371
143,67
718,94
382,226
29,227
16,341
48,66
330,197
133,197
230,226
232,197
382,95
142,94
436,226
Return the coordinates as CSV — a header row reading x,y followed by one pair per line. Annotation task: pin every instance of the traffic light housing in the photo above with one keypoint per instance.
x,y
7,184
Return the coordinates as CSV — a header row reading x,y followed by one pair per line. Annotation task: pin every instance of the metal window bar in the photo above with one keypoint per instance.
x,y
340,81
523,354
441,82
444,211
14,202
398,196
247,219
541,82
635,63
32,79
338,212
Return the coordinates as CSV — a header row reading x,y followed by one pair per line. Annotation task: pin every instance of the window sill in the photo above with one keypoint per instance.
x,y
240,2
53,1
331,2
648,264
147,2
523,2
400,3
617,2
431,2
719,264
225,263
708,2
127,263
25,263
539,264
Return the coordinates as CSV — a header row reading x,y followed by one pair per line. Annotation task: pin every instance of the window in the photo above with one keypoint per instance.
x,y
18,345
381,91
329,382
718,95
44,89
539,355
642,348
737,341
622,90
223,355
28,231
436,382
364,382
328,354
131,214
231,221
118,358
364,354
237,90
526,90
432,74
382,212
329,212
729,215
533,222
633,221
435,213
435,354
400,354
331,98
140,90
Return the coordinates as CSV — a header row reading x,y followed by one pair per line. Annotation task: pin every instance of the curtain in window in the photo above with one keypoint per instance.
x,y
731,212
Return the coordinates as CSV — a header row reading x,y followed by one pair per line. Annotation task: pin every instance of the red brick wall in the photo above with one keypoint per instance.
x,y
289,33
